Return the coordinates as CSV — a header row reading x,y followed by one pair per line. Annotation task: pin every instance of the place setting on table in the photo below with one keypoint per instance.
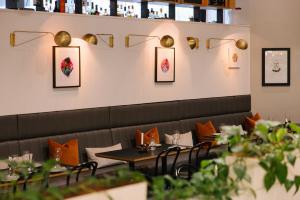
x,y
16,167
148,147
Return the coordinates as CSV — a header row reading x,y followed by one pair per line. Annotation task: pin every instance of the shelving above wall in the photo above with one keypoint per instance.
x,y
182,10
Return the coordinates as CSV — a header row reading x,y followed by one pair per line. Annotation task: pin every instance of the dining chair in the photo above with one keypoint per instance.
x,y
78,169
163,157
186,170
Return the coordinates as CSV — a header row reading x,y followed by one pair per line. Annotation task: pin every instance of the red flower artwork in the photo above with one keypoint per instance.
x,y
66,66
165,65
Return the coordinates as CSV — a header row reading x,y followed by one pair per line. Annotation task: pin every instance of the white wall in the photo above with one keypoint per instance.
x,y
115,76
275,25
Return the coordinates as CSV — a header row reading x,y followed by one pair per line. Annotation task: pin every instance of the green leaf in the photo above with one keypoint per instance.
x,y
272,137
269,180
223,171
205,163
280,133
291,159
288,184
281,172
297,183
240,171
294,127
264,164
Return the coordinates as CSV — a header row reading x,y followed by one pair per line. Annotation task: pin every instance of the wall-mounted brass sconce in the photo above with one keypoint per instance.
x,y
166,41
193,42
62,38
92,39
241,43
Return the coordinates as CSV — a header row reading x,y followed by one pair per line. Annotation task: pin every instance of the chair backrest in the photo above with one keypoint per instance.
x,y
197,148
163,156
78,169
185,170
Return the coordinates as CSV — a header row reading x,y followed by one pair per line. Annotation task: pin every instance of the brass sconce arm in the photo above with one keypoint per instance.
x,y
92,39
62,38
13,37
166,41
127,39
240,44
110,42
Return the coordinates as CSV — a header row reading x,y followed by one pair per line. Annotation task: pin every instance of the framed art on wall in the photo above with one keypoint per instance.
x,y
66,67
233,59
276,66
164,64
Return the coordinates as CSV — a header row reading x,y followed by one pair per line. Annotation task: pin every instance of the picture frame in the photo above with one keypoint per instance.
x,y
164,65
233,59
276,67
66,67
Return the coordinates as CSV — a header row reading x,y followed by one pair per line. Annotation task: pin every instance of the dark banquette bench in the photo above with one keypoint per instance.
x,y
101,127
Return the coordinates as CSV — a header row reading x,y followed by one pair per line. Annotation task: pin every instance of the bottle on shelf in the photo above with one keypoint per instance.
x,y
96,10
92,11
105,12
62,5
56,6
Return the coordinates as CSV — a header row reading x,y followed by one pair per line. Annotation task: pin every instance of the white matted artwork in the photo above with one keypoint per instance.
x,y
276,67
66,67
233,59
164,64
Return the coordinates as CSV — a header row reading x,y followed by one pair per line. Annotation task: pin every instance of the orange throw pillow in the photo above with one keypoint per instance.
x,y
206,129
147,136
69,152
251,121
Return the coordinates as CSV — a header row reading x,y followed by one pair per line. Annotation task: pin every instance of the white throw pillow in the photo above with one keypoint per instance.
x,y
103,162
184,139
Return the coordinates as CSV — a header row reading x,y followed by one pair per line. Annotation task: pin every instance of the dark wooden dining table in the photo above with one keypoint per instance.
x,y
133,156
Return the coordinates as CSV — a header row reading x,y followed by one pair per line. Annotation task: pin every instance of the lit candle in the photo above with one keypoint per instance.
x,y
142,138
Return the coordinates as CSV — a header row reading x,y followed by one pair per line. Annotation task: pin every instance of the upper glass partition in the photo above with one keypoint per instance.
x,y
127,8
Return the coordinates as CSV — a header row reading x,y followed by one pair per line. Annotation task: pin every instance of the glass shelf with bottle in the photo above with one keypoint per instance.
x,y
158,10
129,9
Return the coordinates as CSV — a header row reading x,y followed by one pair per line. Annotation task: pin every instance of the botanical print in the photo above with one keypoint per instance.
x,y
276,67
233,59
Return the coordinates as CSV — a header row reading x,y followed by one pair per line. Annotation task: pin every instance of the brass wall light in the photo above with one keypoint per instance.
x,y
166,41
241,43
92,39
193,42
62,38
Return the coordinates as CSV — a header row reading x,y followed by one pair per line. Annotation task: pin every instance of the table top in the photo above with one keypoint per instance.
x,y
133,155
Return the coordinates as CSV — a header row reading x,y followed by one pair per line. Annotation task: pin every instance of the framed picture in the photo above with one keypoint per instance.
x,y
66,67
164,64
233,59
276,66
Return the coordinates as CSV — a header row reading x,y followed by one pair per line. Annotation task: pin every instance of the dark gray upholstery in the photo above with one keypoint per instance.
x,y
8,128
214,106
144,114
63,122
8,148
101,127
218,120
40,150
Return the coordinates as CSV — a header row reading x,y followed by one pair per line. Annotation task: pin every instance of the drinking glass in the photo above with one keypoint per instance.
x,y
152,143
11,164
27,156
57,156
